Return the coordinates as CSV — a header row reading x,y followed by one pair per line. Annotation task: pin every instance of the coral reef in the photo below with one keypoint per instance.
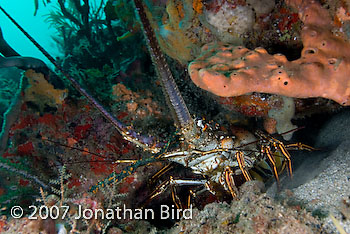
x,y
43,142
49,132
227,70
60,143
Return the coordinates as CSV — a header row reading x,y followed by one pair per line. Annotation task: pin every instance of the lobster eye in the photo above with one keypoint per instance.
x,y
227,143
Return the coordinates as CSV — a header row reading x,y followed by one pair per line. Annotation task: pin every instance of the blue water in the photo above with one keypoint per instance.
x,y
23,12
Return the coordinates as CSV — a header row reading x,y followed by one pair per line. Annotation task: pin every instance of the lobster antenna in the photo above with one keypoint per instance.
x,y
128,134
42,50
173,96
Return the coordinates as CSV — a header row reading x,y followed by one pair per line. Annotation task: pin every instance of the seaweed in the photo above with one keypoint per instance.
x,y
36,5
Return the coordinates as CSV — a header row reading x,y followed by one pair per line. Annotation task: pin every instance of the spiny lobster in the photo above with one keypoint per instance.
x,y
222,159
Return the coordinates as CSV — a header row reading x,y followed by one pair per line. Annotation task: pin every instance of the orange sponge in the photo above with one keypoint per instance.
x,y
322,70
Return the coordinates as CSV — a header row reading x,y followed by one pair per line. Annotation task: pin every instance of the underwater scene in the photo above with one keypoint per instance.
x,y
176,116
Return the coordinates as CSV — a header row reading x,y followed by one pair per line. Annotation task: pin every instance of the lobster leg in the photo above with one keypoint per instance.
x,y
299,146
172,183
286,154
241,164
229,181
162,171
267,151
174,195
279,146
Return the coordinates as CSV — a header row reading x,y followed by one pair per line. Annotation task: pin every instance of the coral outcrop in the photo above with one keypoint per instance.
x,y
137,106
321,71
182,27
42,92
252,213
230,20
172,36
22,62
